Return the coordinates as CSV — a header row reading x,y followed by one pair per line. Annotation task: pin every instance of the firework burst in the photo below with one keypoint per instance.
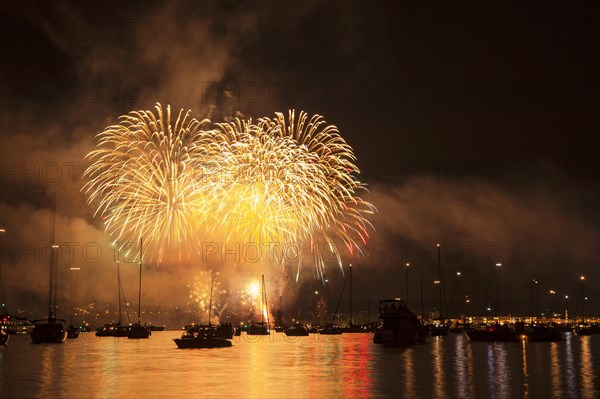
x,y
275,182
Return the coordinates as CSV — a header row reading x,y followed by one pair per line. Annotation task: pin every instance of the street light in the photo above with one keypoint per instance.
x,y
550,305
498,266
566,308
582,279
534,283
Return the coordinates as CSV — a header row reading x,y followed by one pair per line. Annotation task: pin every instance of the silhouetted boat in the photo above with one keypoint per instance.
x,y
496,332
582,329
297,330
139,331
114,330
117,329
330,329
357,328
156,328
400,325
438,330
542,333
225,331
72,332
200,338
259,329
50,330
13,325
3,337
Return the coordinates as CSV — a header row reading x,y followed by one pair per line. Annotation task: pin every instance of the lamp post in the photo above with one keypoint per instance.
x,y
534,283
582,279
550,305
498,266
566,308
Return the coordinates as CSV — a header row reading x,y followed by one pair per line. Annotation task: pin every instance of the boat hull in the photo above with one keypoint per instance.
x,y
296,332
139,332
49,333
201,343
487,336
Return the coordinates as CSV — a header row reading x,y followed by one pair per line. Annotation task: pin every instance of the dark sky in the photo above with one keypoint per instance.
x,y
475,125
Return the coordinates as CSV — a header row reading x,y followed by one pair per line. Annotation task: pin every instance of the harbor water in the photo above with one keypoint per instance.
x,y
349,365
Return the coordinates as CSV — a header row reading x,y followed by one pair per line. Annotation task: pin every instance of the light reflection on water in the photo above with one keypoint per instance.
x,y
340,366
555,370
437,353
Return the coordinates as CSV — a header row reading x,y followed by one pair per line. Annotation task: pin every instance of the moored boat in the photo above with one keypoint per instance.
x,y
496,332
542,333
200,338
400,325
298,330
330,329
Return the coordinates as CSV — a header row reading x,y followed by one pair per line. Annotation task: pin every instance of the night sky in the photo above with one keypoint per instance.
x,y
475,125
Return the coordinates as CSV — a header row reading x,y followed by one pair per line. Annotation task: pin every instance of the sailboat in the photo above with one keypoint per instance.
x,y
116,329
354,328
72,331
197,336
261,328
4,316
138,330
51,329
440,328
333,329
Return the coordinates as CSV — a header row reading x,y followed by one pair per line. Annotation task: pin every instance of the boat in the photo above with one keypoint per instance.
x,y
354,328
139,331
582,329
50,330
114,330
5,317
225,331
297,330
543,333
330,329
492,333
72,332
400,325
200,338
155,328
439,328
261,328
14,325
117,329
206,336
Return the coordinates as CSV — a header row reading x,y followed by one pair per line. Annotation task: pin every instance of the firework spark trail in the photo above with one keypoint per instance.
x,y
274,181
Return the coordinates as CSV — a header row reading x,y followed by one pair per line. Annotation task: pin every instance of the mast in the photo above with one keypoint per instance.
x,y
422,307
441,284
339,300
140,286
52,248
212,283
3,309
350,276
119,285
